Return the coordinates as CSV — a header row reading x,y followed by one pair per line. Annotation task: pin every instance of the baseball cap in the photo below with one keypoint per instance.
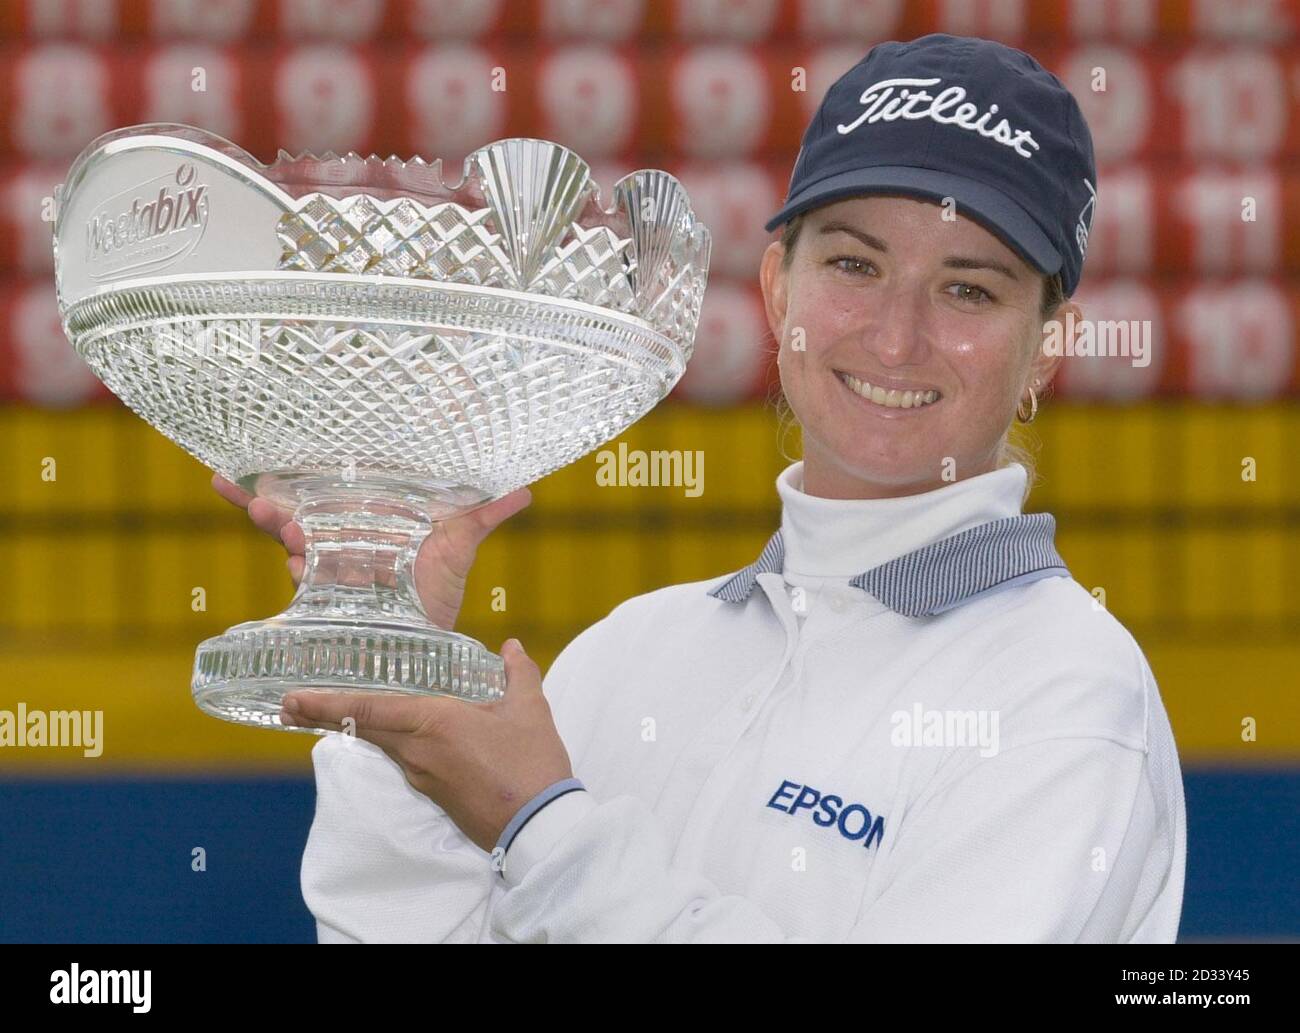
x,y
958,117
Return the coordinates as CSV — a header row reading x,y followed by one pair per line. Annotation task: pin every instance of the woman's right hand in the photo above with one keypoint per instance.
x,y
441,566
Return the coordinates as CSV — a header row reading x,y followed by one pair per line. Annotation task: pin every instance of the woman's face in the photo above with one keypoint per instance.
x,y
883,291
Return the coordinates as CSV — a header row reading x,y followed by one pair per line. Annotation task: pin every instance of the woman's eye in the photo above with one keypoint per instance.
x,y
849,264
972,293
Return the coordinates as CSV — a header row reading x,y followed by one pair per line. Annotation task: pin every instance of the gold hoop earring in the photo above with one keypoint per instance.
x,y
1033,407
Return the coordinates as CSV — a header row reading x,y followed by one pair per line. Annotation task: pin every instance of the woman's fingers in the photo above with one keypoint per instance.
x,y
454,542
271,518
231,492
472,528
293,538
443,563
266,516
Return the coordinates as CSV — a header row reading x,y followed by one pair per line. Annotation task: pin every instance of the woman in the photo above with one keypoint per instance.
x,y
905,720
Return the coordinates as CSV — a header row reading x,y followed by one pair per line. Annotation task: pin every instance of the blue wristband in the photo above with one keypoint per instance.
x,y
522,816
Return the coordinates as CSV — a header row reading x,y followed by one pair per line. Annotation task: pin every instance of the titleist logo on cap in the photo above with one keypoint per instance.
x,y
882,104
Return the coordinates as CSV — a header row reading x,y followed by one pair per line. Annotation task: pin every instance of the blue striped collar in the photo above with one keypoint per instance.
x,y
942,575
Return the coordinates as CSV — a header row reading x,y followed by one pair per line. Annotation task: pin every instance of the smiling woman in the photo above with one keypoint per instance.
x,y
850,252
982,752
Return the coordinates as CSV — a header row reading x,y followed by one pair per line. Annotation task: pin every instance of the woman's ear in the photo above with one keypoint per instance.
x,y
773,279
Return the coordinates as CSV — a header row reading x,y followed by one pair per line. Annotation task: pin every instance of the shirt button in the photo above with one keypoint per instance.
x,y
838,603
747,702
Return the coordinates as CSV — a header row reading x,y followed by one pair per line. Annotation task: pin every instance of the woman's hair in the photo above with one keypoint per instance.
x,y
1018,446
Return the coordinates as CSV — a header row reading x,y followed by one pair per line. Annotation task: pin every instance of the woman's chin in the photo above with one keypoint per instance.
x,y
892,472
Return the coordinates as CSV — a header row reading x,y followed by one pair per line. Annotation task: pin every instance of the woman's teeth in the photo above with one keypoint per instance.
x,y
889,399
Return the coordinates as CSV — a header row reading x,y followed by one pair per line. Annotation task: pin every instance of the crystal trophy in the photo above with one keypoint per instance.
x,y
376,349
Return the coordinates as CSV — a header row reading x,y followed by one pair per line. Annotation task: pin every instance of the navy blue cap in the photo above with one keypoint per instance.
x,y
955,116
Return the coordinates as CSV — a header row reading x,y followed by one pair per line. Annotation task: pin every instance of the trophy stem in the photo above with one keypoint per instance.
x,y
356,623
360,560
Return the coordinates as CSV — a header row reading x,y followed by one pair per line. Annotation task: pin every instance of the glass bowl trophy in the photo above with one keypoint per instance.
x,y
376,349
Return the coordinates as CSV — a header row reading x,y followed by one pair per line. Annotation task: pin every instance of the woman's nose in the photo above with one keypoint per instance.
x,y
899,332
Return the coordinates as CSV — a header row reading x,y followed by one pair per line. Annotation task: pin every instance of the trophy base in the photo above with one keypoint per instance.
x,y
242,675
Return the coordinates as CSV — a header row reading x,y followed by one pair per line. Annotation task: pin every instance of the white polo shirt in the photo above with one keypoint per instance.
x,y
904,722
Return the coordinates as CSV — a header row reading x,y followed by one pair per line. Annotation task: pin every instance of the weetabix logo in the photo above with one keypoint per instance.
x,y
147,226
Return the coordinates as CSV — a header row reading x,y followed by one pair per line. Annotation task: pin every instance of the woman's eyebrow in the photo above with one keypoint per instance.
x,y
958,262
852,231
954,262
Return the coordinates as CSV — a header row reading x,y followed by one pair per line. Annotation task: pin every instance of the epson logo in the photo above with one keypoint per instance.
x,y
853,821
101,986
154,222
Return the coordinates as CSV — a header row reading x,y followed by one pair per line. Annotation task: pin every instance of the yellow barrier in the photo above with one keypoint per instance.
x,y
104,557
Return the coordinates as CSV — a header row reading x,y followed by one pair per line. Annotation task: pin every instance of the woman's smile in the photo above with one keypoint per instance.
x,y
888,402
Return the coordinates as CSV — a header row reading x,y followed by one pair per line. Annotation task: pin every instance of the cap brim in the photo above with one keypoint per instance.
x,y
990,207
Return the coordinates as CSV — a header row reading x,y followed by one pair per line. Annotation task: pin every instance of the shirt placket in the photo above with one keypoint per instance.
x,y
696,773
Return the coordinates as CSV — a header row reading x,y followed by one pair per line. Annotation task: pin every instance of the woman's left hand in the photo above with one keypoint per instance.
x,y
479,762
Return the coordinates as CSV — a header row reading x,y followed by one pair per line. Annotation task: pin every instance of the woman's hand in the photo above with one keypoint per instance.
x,y
479,762
441,566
